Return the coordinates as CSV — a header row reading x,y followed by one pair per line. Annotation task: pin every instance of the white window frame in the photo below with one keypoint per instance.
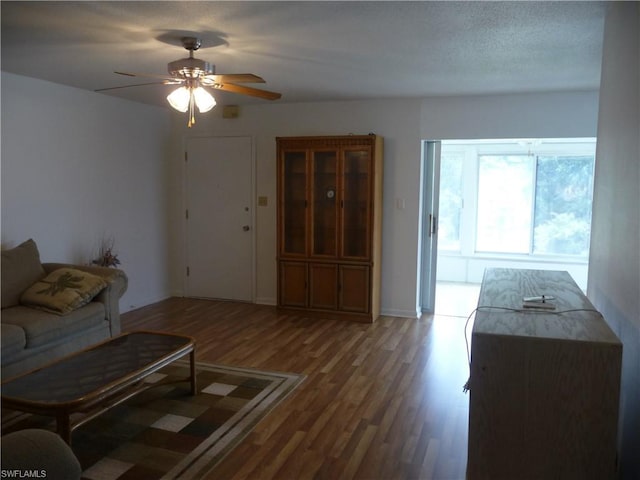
x,y
472,149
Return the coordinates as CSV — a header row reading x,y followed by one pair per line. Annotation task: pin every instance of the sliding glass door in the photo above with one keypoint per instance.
x,y
429,222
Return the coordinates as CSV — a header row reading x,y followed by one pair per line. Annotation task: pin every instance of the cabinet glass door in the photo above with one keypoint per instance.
x,y
356,209
325,213
294,203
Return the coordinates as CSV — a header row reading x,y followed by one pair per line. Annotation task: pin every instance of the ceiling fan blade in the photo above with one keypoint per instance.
x,y
234,78
135,85
150,75
254,92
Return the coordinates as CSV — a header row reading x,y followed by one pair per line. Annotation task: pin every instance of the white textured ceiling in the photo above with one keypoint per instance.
x,y
313,51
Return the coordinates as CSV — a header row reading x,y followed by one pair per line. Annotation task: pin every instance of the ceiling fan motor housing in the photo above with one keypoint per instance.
x,y
190,68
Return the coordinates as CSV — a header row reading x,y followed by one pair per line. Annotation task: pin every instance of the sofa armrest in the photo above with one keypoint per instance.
x,y
117,283
39,451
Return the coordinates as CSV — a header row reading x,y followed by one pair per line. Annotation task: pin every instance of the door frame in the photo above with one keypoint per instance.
x,y
253,207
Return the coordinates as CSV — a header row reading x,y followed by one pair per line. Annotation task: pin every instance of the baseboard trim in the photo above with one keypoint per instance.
x,y
266,301
400,313
144,302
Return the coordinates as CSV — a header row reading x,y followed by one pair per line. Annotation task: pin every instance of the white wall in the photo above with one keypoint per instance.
x,y
397,121
471,269
614,264
78,166
403,124
527,115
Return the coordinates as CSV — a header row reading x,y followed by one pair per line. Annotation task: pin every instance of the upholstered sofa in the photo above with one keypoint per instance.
x,y
34,453
34,333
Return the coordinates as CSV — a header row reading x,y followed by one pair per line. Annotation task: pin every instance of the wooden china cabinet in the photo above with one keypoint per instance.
x,y
330,224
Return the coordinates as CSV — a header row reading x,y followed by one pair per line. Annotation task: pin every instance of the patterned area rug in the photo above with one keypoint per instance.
x,y
165,432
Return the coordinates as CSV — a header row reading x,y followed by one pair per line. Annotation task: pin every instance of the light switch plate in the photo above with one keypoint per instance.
x,y
230,111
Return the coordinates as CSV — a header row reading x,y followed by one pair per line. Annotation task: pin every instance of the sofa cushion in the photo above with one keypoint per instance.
x,y
21,268
63,290
13,340
42,327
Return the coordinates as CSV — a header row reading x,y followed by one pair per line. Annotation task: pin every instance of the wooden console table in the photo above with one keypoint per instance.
x,y
544,385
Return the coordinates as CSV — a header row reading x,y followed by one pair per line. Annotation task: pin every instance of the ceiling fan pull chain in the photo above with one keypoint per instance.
x,y
192,117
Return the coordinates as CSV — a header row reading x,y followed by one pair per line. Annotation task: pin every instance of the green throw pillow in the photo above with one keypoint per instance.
x,y
63,290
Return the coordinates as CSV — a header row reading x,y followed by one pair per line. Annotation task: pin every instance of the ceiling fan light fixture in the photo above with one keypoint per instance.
x,y
204,100
192,74
187,98
179,99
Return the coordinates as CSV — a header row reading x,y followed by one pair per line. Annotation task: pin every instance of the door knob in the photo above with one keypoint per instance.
x,y
245,228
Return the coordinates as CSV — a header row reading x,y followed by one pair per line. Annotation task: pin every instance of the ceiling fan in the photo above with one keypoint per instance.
x,y
192,74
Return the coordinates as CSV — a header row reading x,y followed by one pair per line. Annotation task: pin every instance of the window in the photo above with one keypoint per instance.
x,y
451,201
521,198
504,203
562,217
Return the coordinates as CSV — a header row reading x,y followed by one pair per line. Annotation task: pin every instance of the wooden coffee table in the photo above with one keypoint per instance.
x,y
96,379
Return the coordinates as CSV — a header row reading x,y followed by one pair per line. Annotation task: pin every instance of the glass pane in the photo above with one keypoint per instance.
x,y
355,215
325,213
562,221
87,373
450,201
504,203
294,202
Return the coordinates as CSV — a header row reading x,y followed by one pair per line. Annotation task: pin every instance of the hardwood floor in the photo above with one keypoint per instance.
x,y
381,401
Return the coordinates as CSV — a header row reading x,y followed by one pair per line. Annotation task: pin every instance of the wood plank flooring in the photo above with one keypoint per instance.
x,y
381,401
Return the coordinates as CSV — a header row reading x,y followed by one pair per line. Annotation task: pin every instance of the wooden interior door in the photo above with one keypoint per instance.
x,y
219,218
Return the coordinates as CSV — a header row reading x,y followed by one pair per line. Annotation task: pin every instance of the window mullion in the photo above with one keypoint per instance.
x,y
534,191
470,211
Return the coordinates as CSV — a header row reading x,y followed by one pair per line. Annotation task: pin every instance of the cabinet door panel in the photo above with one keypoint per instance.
x,y
356,204
354,288
323,291
293,284
325,212
294,202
